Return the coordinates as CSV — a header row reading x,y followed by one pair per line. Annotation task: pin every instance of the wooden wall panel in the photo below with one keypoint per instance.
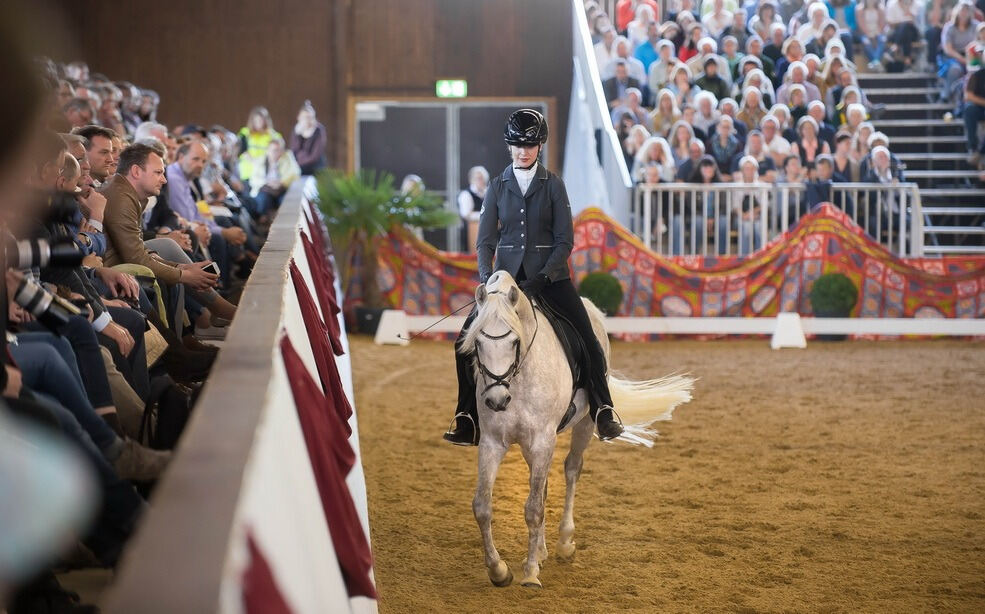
x,y
212,60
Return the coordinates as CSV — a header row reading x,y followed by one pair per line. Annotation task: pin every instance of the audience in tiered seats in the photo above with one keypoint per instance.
x,y
152,233
778,82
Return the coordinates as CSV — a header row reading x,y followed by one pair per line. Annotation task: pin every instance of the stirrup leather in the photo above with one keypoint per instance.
x,y
475,427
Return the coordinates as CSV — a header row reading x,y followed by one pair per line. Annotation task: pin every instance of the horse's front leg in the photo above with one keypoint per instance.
x,y
539,460
490,456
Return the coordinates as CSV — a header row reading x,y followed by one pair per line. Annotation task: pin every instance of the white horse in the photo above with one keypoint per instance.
x,y
524,388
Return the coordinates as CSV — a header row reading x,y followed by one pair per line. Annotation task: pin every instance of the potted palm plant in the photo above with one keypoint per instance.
x,y
360,208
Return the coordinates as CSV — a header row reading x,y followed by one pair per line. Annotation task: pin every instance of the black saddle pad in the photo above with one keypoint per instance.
x,y
571,341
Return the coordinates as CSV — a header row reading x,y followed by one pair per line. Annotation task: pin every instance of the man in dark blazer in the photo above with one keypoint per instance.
x,y
615,88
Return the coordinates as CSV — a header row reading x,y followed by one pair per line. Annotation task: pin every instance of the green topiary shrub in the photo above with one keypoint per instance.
x,y
833,295
604,290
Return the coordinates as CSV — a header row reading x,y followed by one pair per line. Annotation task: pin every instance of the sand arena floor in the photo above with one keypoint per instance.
x,y
843,478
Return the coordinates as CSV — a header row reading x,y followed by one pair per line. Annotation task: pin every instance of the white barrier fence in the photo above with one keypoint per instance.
x,y
684,219
396,326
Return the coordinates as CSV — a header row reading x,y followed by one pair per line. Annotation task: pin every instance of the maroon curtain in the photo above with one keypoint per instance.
x,y
325,291
331,459
318,233
328,370
260,592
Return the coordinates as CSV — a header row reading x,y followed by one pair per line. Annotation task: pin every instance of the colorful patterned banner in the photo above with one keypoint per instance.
x,y
419,279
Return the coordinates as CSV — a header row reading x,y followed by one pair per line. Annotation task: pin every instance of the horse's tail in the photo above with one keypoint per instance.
x,y
642,403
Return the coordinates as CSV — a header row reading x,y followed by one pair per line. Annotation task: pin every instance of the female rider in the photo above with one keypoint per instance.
x,y
526,220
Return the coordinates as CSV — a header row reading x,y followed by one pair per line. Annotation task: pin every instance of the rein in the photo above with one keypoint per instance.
x,y
514,368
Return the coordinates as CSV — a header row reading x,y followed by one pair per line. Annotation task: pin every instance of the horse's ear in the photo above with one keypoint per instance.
x,y
514,295
480,294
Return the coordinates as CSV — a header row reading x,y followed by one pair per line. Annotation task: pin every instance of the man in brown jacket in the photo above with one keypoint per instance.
x,y
141,175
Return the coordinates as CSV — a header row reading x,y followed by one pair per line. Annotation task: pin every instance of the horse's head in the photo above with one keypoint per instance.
x,y
497,337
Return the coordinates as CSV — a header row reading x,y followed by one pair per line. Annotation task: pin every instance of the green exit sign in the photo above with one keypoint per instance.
x,y
451,88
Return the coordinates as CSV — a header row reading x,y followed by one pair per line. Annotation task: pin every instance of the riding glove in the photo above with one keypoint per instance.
x,y
535,285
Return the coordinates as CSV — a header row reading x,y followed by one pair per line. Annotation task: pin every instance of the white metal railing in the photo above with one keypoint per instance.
x,y
738,219
615,173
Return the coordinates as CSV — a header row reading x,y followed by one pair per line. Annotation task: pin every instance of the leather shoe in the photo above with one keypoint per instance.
x,y
606,424
464,431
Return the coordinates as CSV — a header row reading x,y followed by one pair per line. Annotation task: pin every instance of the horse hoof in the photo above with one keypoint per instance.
x,y
566,552
532,583
503,573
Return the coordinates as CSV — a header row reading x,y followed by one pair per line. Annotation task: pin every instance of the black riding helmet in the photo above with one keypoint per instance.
x,y
525,128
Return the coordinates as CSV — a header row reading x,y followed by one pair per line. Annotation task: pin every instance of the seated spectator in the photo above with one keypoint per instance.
x,y
797,76
637,30
78,112
681,135
688,114
796,96
853,118
141,175
825,131
706,113
754,53
661,70
765,17
735,30
732,55
615,89
665,113
792,171
655,152
626,11
756,78
860,142
793,52
819,189
708,48
729,107
817,18
688,166
748,206
902,18
956,35
883,206
309,141
149,100
724,147
681,86
632,106
605,49
647,52
878,139
688,49
99,152
751,108
711,80
638,134
819,44
829,77
782,114
973,115
870,18
756,151
845,167
808,145
776,146
774,48
717,19
623,50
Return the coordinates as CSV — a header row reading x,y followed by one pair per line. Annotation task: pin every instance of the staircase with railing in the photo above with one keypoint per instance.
x,y
933,149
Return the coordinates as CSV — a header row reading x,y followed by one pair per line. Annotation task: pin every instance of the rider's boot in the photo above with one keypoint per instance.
x,y
607,423
464,430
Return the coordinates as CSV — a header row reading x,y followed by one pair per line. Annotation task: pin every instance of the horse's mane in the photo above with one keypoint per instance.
x,y
497,306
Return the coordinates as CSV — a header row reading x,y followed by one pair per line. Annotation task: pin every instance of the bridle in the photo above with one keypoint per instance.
x,y
503,379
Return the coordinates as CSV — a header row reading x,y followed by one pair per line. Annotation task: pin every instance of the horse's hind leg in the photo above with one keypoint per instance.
x,y
581,436
490,456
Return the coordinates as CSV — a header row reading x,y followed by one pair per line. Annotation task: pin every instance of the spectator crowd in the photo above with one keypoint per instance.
x,y
716,85
127,252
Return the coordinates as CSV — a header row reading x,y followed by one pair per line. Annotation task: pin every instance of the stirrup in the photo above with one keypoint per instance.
x,y
615,416
451,429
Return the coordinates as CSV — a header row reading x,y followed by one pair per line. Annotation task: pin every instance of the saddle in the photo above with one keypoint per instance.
x,y
574,350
